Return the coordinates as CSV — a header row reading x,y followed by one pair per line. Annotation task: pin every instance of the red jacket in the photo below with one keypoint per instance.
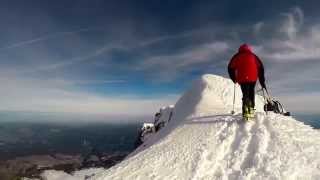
x,y
245,66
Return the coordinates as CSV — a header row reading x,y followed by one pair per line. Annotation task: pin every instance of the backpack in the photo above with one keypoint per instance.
x,y
273,105
276,107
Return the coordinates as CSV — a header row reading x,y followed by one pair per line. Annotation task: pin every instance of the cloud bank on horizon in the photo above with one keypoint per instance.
x,y
102,57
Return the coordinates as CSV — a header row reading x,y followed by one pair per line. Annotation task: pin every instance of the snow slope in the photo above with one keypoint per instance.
x,y
78,175
203,141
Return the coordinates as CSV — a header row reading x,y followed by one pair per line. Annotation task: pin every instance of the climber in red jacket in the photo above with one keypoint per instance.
x,y
245,68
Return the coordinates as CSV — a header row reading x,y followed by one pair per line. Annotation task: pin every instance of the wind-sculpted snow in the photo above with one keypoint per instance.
x,y
209,96
203,141
224,147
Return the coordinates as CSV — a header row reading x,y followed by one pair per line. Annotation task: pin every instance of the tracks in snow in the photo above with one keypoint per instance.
x,y
224,147
233,148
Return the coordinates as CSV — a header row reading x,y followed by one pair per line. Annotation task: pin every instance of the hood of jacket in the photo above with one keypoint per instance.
x,y
245,48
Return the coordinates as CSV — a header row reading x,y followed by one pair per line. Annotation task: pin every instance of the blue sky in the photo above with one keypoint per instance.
x,y
129,58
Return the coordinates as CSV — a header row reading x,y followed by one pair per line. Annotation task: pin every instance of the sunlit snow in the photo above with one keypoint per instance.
x,y
204,141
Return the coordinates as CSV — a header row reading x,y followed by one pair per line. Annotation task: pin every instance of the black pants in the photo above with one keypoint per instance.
x,y
248,95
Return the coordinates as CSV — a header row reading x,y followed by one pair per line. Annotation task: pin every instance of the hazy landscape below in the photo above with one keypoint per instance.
x,y
67,140
310,119
22,136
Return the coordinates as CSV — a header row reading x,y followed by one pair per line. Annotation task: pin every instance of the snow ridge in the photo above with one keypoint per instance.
x,y
203,141
211,95
223,147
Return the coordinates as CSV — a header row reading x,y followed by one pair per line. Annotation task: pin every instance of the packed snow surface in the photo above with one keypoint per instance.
x,y
204,141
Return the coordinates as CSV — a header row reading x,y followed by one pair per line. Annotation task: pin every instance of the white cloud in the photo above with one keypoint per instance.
x,y
57,96
257,28
295,41
301,102
196,55
152,41
293,22
69,62
303,48
290,41
47,37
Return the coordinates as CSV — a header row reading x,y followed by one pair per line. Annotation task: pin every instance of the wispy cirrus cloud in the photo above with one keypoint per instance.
x,y
288,47
293,41
47,37
69,62
195,55
21,94
293,22
291,53
169,67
